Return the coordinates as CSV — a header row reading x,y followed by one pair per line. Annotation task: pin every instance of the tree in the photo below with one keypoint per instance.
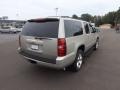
x,y
87,17
112,18
117,19
98,20
75,16
109,18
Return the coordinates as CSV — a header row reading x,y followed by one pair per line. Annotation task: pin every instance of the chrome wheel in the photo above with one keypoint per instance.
x,y
97,44
79,61
77,64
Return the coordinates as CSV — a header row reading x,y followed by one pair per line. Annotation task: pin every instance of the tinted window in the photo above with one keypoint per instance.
x,y
93,30
41,29
86,28
73,28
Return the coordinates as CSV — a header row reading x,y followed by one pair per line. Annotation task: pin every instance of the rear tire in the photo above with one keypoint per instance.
x,y
96,45
77,64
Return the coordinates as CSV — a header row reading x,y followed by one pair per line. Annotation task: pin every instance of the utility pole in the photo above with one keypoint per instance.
x,y
56,11
17,16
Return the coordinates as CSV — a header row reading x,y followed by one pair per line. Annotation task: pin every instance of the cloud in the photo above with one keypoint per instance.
x,y
39,8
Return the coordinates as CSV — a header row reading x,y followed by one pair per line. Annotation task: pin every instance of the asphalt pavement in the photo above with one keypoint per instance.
x,y
101,70
8,37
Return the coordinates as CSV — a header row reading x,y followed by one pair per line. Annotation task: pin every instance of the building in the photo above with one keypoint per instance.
x,y
14,23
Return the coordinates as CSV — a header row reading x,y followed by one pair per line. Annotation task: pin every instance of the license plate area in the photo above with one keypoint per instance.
x,y
34,47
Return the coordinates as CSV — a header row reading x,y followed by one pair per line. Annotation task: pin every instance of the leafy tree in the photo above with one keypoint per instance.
x,y
109,18
87,17
98,20
112,18
117,19
75,16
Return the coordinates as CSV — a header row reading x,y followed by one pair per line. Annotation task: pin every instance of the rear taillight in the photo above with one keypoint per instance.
x,y
19,40
61,47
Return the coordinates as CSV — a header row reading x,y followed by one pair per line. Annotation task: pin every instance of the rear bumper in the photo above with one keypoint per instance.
x,y
60,62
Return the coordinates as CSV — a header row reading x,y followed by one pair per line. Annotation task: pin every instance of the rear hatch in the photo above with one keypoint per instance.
x,y
39,39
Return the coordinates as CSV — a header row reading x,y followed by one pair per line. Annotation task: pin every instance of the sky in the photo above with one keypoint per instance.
x,y
27,9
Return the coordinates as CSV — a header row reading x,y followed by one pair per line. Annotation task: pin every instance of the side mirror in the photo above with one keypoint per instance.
x,y
94,31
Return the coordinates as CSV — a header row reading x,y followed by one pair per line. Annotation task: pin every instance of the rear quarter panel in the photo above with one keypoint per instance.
x,y
73,43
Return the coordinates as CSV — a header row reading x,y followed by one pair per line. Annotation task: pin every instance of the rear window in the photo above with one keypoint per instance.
x,y
41,28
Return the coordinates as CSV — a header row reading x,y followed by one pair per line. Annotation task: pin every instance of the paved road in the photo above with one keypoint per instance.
x,y
8,37
101,71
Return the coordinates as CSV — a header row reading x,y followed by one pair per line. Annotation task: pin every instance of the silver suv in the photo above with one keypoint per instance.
x,y
57,42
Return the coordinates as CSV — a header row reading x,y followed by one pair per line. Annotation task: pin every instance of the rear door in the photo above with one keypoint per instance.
x,y
74,35
39,38
93,34
88,36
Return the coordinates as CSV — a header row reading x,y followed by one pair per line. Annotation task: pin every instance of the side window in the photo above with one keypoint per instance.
x,y
68,28
93,30
86,28
78,28
73,28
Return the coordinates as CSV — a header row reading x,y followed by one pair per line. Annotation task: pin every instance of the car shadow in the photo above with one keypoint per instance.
x,y
37,71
